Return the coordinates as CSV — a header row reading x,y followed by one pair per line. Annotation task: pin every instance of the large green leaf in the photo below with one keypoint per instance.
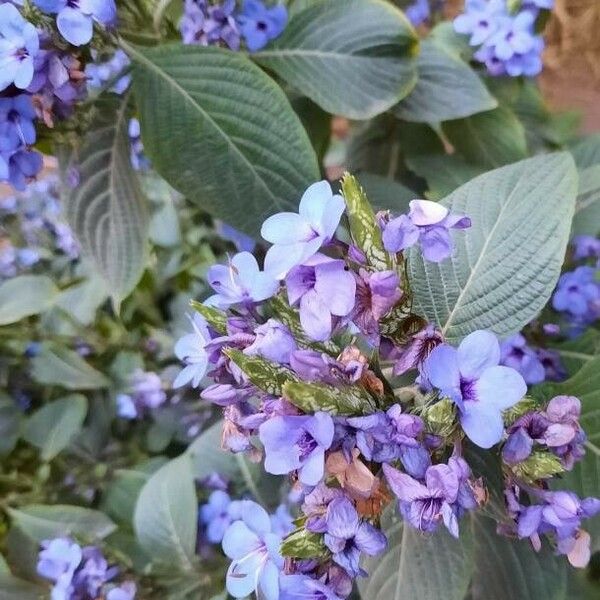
x,y
385,193
53,427
587,209
506,265
507,568
417,566
41,522
490,139
586,151
57,365
577,352
447,88
107,210
165,518
352,57
221,132
24,296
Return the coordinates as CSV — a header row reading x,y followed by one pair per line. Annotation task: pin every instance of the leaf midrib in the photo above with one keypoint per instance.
x,y
153,67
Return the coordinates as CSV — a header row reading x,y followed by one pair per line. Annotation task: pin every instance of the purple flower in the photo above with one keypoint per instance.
x,y
57,562
240,282
75,18
515,36
481,19
254,548
190,349
315,506
297,237
578,295
470,376
260,24
586,246
19,43
347,536
553,367
303,587
516,354
99,73
146,393
427,223
417,350
241,241
282,522
325,289
209,25
442,497
273,341
92,573
418,12
297,443
22,166
216,516
560,514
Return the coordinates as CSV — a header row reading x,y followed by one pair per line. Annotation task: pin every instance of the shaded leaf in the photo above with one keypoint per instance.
x,y
351,57
221,132
53,427
24,296
505,267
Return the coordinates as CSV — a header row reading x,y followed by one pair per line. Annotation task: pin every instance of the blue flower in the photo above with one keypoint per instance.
x,y
19,43
303,587
190,349
516,354
578,296
347,536
254,548
98,73
22,166
57,561
75,18
471,377
241,241
418,12
282,522
216,516
240,282
209,25
297,237
126,591
297,443
273,341
260,24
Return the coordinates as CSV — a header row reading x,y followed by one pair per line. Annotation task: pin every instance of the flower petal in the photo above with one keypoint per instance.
x,y
285,228
441,370
336,286
315,316
500,387
478,351
239,541
482,423
426,212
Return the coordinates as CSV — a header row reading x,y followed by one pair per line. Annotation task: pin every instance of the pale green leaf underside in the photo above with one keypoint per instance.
x,y
165,518
24,296
447,88
587,210
351,57
506,265
221,132
107,210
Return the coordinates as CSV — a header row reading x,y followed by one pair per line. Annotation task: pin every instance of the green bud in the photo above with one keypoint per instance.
x,y
216,318
518,410
304,544
440,418
264,374
363,225
540,465
343,400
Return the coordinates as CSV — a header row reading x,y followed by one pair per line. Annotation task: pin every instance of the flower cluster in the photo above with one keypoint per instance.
x,y
507,40
35,220
300,353
146,394
110,71
80,573
223,23
41,77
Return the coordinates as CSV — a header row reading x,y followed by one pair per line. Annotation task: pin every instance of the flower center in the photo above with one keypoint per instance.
x,y
306,444
467,389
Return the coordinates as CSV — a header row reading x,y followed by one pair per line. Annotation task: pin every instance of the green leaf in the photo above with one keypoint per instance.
x,y
587,210
221,132
13,588
443,172
577,352
490,139
586,151
316,121
264,374
81,301
364,229
165,518
504,268
507,568
341,400
216,318
24,296
53,427
10,424
351,57
57,365
447,88
107,210
417,566
41,522
385,193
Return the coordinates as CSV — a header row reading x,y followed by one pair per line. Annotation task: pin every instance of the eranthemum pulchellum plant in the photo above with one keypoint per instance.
x,y
303,355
